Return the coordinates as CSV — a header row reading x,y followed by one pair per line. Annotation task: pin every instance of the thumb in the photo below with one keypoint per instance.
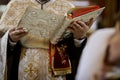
x,y
12,29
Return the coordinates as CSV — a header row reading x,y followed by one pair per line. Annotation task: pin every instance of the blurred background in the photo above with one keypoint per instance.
x,y
105,20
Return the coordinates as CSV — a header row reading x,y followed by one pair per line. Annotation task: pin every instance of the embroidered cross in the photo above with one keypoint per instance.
x,y
31,69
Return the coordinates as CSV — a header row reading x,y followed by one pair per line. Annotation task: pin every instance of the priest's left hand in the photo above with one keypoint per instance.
x,y
80,28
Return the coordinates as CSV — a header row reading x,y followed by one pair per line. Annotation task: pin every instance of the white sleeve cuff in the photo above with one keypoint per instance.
x,y
12,43
78,42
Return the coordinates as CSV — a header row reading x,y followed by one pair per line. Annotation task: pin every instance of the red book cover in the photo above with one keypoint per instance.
x,y
75,12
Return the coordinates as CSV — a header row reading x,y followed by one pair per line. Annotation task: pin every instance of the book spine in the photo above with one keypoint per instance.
x,y
55,39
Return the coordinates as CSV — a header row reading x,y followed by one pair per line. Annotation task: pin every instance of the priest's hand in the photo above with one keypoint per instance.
x,y
80,28
16,33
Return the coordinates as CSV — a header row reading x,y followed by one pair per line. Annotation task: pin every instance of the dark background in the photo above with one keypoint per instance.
x,y
4,2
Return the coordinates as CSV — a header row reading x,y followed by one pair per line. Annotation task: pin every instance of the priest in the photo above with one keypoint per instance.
x,y
20,63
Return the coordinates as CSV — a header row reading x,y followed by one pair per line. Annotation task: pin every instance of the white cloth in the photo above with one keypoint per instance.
x,y
93,54
78,42
34,63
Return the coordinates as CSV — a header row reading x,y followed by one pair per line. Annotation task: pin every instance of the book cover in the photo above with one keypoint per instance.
x,y
45,26
79,16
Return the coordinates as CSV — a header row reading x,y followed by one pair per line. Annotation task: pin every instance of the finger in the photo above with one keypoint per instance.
x,y
22,35
81,23
18,28
17,32
25,30
72,22
12,29
17,37
70,28
21,28
90,22
77,26
84,26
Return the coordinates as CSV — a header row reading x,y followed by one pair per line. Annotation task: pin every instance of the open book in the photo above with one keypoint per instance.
x,y
45,26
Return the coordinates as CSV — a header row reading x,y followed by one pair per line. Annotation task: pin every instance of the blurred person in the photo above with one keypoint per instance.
x,y
0,14
20,63
100,59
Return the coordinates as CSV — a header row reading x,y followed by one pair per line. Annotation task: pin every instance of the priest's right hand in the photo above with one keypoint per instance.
x,y
15,34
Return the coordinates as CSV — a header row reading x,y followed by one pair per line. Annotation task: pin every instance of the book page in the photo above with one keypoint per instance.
x,y
84,18
41,25
88,16
44,26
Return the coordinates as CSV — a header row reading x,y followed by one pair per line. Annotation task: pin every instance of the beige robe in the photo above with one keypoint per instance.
x,y
34,63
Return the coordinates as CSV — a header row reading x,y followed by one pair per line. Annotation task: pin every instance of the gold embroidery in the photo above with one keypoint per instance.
x,y
31,70
34,63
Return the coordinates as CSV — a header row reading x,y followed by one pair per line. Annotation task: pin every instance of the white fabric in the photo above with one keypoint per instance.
x,y
3,51
93,54
34,63
12,43
78,42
